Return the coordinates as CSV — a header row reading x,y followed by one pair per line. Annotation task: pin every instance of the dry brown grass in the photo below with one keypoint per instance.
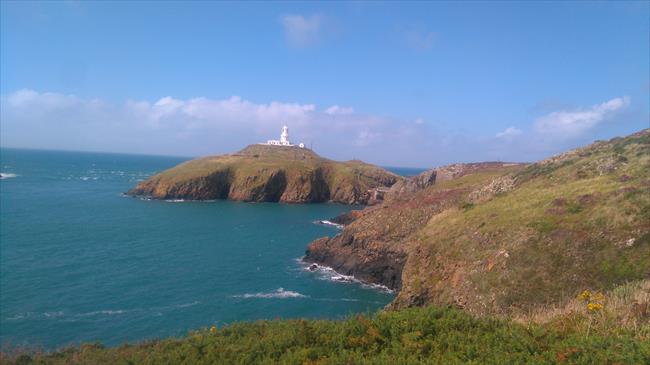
x,y
624,307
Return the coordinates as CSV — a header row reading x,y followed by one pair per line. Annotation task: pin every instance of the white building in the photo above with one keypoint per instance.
x,y
284,139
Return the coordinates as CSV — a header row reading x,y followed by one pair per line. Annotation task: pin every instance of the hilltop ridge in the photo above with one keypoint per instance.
x,y
264,173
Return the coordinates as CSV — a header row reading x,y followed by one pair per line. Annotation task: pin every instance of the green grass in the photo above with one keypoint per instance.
x,y
563,228
247,173
412,336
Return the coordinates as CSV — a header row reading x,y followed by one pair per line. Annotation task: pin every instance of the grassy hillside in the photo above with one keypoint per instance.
x,y
577,221
615,334
268,173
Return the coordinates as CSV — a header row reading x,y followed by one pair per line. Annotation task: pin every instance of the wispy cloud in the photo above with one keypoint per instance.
x,y
338,110
572,123
509,133
202,126
194,126
301,31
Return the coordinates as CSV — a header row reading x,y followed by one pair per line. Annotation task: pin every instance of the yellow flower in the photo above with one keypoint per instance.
x,y
594,307
213,330
585,295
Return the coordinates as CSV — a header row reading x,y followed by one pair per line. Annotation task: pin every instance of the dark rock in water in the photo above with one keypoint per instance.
x,y
372,262
347,218
313,267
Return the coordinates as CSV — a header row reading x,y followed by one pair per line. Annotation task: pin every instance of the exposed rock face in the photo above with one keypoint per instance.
x,y
347,217
413,184
368,260
500,185
269,174
374,244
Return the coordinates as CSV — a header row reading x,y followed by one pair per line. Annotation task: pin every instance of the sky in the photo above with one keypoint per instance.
x,y
392,83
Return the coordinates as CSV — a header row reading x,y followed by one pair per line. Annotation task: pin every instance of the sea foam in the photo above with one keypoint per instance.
x,y
6,175
280,293
329,223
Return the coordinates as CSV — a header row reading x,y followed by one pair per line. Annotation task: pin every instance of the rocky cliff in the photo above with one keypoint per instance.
x,y
269,174
506,238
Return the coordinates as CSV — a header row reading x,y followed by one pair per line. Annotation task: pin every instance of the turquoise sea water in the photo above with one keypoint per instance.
x,y
81,262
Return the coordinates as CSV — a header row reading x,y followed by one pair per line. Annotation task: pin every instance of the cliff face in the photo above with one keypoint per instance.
x,y
269,174
374,245
506,238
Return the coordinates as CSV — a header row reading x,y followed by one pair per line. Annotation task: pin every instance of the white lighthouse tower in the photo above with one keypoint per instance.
x,y
284,137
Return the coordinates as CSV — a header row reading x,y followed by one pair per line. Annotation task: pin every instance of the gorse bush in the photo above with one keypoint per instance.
x,y
412,336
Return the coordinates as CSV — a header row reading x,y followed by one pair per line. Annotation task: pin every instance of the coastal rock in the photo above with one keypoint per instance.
x,y
347,217
367,260
413,184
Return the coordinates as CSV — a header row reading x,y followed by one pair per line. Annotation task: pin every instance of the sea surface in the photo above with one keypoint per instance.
x,y
81,262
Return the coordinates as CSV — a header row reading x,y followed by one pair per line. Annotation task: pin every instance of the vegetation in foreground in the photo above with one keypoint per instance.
x,y
596,328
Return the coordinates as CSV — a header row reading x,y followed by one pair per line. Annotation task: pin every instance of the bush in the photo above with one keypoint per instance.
x,y
412,336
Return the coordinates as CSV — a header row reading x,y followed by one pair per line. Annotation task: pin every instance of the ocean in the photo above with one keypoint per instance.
x,y
80,262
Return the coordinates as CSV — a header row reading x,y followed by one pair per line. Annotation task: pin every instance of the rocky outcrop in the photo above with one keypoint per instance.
x,y
372,261
348,217
261,173
374,244
413,184
500,185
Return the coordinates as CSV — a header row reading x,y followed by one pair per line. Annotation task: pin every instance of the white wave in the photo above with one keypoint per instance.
x,y
330,223
336,299
86,178
185,305
20,316
53,314
6,175
327,273
279,293
102,312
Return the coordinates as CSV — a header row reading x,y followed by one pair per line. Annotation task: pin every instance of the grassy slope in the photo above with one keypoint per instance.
x,y
578,221
410,336
260,161
373,247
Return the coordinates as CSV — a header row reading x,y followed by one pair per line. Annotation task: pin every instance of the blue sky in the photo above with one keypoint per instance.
x,y
409,84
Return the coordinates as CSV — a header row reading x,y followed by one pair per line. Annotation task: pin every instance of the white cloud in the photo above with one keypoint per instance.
x,y
573,123
25,98
301,31
194,126
509,133
203,126
337,110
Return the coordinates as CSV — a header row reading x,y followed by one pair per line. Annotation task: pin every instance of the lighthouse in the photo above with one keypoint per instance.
x,y
284,139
